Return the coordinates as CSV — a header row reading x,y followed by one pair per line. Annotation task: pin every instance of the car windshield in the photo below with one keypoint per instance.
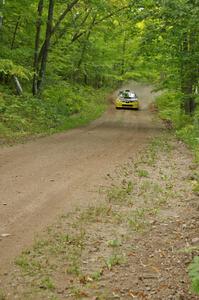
x,y
127,95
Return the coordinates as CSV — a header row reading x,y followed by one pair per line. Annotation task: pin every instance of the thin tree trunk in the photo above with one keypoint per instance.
x,y
42,70
64,30
86,42
188,76
123,54
15,32
56,26
36,53
18,85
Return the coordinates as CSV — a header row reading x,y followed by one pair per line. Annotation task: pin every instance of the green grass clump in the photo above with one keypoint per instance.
x,y
194,274
47,284
114,260
2,295
119,194
143,173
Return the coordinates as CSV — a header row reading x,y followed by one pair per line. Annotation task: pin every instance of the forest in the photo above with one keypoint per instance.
x,y
59,59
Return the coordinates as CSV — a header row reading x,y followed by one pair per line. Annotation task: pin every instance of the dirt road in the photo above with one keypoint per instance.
x,y
53,175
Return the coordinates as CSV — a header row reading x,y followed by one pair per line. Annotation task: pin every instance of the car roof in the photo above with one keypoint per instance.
x,y
127,91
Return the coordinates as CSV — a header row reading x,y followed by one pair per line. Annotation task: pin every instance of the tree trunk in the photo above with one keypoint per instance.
x,y
36,53
188,75
56,26
123,54
42,70
18,85
15,32
85,43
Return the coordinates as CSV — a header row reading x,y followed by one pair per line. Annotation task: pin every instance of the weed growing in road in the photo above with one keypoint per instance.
x,y
145,186
2,295
47,284
120,194
196,187
142,173
114,243
96,214
114,260
138,220
97,275
28,264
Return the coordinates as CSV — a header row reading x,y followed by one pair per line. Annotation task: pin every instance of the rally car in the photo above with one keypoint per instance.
x,y
127,99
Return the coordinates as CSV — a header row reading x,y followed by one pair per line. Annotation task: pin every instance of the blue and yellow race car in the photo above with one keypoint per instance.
x,y
127,99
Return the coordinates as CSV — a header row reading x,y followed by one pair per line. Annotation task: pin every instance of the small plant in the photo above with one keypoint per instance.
x,y
189,249
114,243
120,194
96,213
196,187
137,221
97,275
145,186
23,262
2,295
194,274
47,284
157,188
161,201
29,265
78,293
74,261
114,260
142,173
73,269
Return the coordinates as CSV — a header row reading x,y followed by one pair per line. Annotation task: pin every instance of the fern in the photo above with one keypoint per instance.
x,y
7,67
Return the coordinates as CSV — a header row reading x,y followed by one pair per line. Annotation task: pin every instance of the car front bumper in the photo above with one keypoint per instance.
x,y
122,104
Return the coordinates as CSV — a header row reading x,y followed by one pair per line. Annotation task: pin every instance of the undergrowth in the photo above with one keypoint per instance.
x,y
186,127
60,107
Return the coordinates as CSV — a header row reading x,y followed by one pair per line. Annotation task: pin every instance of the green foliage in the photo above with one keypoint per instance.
x,y
194,274
98,44
7,67
187,127
168,105
190,134
61,107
